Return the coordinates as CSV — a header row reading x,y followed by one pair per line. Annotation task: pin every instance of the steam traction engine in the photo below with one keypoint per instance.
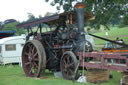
x,y
55,49
60,47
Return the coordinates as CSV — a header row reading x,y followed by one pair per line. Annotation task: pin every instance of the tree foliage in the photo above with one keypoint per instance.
x,y
105,11
31,17
12,26
1,25
48,14
124,21
9,21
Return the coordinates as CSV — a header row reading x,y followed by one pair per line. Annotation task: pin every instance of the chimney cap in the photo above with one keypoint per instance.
x,y
79,5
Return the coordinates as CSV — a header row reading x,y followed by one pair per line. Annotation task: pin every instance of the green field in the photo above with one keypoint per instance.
x,y
122,33
14,75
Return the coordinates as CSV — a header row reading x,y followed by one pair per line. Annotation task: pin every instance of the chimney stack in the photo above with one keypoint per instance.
x,y
80,16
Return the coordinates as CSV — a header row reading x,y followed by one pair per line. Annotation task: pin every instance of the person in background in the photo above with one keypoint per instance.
x,y
117,39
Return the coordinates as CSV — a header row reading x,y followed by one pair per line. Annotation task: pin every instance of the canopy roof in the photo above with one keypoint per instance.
x,y
54,19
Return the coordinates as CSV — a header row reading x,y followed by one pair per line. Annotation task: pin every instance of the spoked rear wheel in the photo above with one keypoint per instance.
x,y
33,58
68,65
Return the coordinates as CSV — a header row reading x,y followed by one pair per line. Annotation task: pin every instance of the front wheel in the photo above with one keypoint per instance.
x,y
68,65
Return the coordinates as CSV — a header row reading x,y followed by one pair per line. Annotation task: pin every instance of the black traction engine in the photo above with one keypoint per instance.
x,y
55,48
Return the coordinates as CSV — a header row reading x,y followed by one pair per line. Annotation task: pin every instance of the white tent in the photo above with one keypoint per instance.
x,y
11,49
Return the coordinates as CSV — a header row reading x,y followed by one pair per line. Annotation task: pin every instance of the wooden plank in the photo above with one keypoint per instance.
x,y
97,75
124,78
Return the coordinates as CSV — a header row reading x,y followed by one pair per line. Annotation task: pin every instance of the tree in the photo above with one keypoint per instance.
x,y
124,21
105,11
40,16
1,25
48,14
12,26
31,17
9,21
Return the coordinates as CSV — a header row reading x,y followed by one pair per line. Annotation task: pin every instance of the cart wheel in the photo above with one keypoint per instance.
x,y
33,58
68,65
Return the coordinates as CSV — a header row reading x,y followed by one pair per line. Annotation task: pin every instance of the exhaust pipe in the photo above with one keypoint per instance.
x,y
80,16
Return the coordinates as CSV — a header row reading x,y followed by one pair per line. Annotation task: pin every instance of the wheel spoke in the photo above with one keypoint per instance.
x,y
65,62
35,65
31,68
35,59
71,64
28,63
70,71
65,66
29,46
32,51
68,64
26,53
35,68
35,54
30,57
68,60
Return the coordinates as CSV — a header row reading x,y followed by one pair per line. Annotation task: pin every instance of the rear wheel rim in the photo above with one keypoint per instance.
x,y
31,59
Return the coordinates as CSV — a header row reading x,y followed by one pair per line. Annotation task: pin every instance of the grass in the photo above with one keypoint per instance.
x,y
14,75
122,33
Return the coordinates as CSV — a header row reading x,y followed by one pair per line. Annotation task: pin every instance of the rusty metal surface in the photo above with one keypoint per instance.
x,y
100,58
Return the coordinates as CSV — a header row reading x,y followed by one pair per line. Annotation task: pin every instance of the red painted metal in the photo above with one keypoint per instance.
x,y
127,62
100,60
